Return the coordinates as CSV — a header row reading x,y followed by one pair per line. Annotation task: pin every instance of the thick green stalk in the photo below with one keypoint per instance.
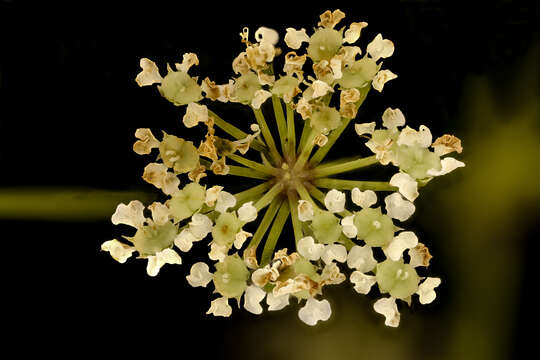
x,y
236,132
265,223
291,132
281,124
304,194
350,184
306,151
269,196
267,134
251,192
239,171
297,226
339,168
303,137
252,164
275,232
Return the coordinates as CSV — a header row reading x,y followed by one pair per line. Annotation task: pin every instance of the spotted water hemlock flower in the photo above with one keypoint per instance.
x,y
341,229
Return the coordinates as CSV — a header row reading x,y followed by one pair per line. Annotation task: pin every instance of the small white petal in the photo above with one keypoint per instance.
x,y
403,241
353,32
411,137
130,214
348,227
388,308
188,60
217,252
398,208
220,307
224,201
212,195
335,201
380,48
149,74
333,252
295,38
277,302
240,238
266,35
184,241
200,226
393,118
259,98
119,251
160,213
361,258
320,88
365,128
381,78
195,114
425,290
315,311
407,185
199,275
448,164
252,299
308,249
305,210
166,256
247,212
362,282
364,199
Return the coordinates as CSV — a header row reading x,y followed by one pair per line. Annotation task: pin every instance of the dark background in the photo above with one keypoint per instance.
x,y
69,109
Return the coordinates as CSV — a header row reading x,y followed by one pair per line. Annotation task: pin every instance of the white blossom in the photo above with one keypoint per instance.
x,y
130,214
252,299
149,74
266,35
220,307
200,226
259,98
388,308
294,38
361,258
380,48
448,164
403,241
365,128
348,227
277,302
364,199
425,290
320,88
188,60
398,208
146,142
119,251
160,213
333,252
411,137
166,256
314,311
212,195
184,241
381,78
309,249
335,201
393,118
224,201
240,238
247,212
199,275
305,210
217,252
407,185
195,114
157,175
362,282
352,34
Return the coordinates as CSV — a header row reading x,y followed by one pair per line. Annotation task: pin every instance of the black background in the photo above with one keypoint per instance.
x,y
70,107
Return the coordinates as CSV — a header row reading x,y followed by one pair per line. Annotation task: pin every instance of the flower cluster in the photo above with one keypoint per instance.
x,y
333,241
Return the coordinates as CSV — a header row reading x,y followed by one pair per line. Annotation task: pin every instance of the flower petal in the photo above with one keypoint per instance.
x,y
247,212
425,290
381,78
305,210
252,299
361,258
407,185
333,252
199,275
366,128
388,308
335,201
315,311
220,307
380,48
308,249
362,282
398,208
404,240
294,38
225,200
130,214
364,199
393,118
277,302
448,164
149,74
119,251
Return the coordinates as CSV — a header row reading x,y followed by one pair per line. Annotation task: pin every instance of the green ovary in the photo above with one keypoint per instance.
x,y
359,74
180,89
375,228
324,44
151,239
246,86
325,119
397,278
231,276
226,228
179,154
326,227
187,201
416,161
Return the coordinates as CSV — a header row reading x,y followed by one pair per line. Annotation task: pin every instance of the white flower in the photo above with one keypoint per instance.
x,y
398,208
184,241
166,256
200,226
364,199
308,249
217,252
212,195
160,213
195,114
266,35
335,201
348,227
381,78
240,238
320,88
332,252
353,32
305,210
247,212
411,137
199,275
388,308
149,74
260,97
380,48
448,164
335,65
188,60
362,282
220,307
404,240
119,251
224,201
393,118
366,128
361,258
130,214
157,175
146,142
315,310
407,185
252,299
425,290
277,302
295,38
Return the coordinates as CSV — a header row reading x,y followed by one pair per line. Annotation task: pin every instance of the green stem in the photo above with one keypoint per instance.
x,y
303,137
235,132
274,233
269,196
350,184
281,124
304,194
267,135
265,223
252,164
297,226
239,171
291,134
338,168
251,192
306,151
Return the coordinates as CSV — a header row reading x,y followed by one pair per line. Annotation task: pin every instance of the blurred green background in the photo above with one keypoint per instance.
x,y
71,107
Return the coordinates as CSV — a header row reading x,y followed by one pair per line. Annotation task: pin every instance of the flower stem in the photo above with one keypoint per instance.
x,y
338,168
252,164
306,150
235,132
267,135
251,192
269,196
340,184
239,171
291,135
274,233
303,137
265,223
304,194
297,226
281,124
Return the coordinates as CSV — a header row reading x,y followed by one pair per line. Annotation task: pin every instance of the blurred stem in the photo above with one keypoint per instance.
x,y
343,166
281,124
274,233
235,132
267,134
350,184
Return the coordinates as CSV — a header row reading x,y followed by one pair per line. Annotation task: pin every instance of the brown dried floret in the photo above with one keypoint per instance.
x,y
329,19
447,144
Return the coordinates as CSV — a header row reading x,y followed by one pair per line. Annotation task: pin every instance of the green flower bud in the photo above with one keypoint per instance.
x,y
375,228
416,161
178,154
180,88
324,44
151,239
230,278
187,201
326,227
246,86
225,230
325,119
397,278
359,74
